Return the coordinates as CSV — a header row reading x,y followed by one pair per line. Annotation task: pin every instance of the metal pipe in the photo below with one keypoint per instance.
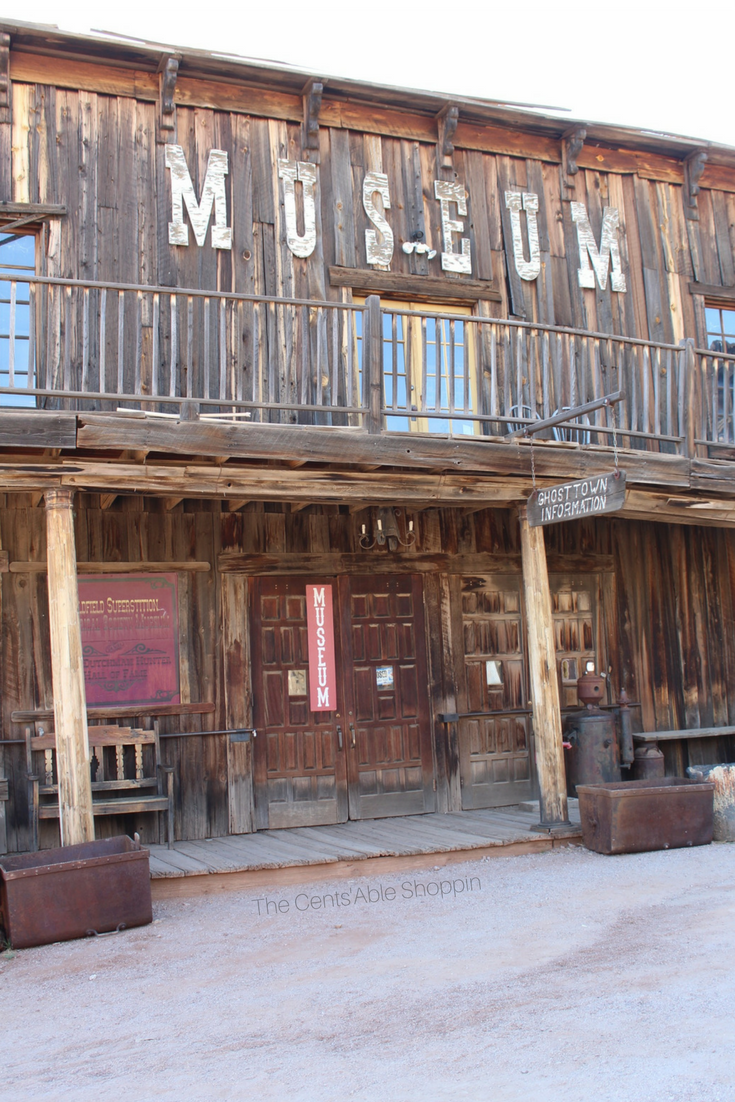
x,y
568,415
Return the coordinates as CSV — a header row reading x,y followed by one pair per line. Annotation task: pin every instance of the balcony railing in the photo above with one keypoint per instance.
x,y
79,345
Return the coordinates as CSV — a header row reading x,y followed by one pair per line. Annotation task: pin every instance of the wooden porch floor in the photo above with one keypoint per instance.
x,y
299,854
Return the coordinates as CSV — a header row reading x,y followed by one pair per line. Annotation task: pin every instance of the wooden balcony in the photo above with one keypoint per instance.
x,y
105,347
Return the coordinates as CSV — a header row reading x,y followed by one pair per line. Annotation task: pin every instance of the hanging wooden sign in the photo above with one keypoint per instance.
x,y
603,493
130,638
322,668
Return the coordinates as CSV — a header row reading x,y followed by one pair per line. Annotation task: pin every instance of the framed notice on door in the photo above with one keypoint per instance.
x,y
130,638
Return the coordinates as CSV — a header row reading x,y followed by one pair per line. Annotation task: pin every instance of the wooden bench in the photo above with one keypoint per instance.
x,y
124,760
693,732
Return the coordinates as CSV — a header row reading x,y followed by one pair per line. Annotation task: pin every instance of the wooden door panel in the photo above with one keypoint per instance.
x,y
300,772
575,611
495,750
391,769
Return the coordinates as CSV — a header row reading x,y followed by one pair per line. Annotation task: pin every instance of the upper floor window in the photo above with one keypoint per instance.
x,y
429,369
720,329
17,358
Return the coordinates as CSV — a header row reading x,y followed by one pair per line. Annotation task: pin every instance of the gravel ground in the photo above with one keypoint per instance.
x,y
562,977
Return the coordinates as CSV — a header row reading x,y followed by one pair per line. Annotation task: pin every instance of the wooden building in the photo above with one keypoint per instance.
x,y
266,337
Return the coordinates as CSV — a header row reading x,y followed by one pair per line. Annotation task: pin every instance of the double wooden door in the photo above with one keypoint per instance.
x,y
495,728
371,756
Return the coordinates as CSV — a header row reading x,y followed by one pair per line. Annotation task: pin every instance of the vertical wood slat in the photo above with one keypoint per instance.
x,y
155,351
11,334
120,342
85,340
449,350
494,408
222,392
32,367
206,361
103,339
530,366
138,366
190,347
335,358
174,315
372,363
67,380
305,388
394,360
546,374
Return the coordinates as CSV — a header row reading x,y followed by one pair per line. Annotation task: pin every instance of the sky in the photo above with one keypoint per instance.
x,y
664,69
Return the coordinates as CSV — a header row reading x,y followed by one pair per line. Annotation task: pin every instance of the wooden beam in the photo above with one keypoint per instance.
x,y
421,288
170,503
355,446
543,677
38,429
41,210
297,506
36,499
409,562
144,567
67,669
262,483
235,504
712,290
106,500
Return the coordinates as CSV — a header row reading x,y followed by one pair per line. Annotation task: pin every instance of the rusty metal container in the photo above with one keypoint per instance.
x,y
592,756
74,891
648,762
636,816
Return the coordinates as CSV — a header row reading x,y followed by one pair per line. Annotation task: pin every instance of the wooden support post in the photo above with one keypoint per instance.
x,y
67,669
544,681
372,363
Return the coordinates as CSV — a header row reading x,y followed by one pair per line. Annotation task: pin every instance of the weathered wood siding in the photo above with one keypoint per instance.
x,y
667,612
98,155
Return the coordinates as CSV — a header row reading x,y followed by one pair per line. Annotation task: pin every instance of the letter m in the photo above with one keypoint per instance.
x,y
213,195
322,697
318,597
609,249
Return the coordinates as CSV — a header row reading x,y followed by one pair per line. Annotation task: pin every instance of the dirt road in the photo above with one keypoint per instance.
x,y
560,977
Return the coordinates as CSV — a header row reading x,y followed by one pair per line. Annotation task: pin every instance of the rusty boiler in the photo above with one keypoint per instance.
x,y
595,750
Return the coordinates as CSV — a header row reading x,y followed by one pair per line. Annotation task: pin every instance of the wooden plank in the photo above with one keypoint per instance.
x,y
190,885
685,733
137,567
507,169
38,430
421,288
238,700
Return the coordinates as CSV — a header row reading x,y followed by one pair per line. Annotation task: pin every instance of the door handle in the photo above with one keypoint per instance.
x,y
352,732
339,737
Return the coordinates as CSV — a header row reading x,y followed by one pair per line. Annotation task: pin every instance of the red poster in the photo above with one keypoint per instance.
x,y
130,638
322,670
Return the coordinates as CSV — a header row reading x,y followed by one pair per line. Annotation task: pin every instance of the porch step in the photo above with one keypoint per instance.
x,y
299,854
